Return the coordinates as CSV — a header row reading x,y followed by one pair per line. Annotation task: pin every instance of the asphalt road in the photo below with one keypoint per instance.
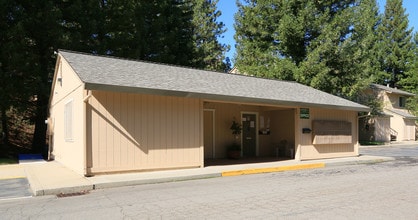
x,y
14,188
386,190
395,150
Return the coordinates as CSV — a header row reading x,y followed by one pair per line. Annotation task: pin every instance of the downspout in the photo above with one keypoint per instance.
x,y
85,103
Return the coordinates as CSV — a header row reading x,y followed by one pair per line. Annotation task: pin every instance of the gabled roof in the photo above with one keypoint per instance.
x,y
122,75
391,90
404,115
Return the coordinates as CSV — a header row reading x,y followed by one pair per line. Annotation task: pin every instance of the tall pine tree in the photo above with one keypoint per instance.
x,y
410,81
43,33
329,65
206,31
322,44
162,31
11,62
258,53
395,45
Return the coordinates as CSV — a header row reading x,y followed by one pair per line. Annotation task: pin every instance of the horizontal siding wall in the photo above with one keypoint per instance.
x,y
309,151
143,132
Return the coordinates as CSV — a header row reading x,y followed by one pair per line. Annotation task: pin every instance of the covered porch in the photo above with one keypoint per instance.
x,y
267,132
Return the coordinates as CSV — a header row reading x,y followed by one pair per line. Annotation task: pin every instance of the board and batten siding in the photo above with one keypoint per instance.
x,y
127,132
307,150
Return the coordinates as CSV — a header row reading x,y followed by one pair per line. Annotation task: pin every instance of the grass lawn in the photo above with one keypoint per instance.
x,y
5,161
8,154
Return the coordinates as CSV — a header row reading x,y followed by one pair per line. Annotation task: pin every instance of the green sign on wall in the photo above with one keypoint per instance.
x,y
304,113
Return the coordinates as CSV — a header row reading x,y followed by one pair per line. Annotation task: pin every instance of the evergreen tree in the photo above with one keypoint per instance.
x,y
395,45
42,32
206,31
27,60
83,26
11,43
30,31
323,44
410,82
159,31
329,65
347,51
256,24
363,39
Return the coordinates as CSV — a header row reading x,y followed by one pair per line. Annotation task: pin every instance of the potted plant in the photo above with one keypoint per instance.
x,y
236,129
234,150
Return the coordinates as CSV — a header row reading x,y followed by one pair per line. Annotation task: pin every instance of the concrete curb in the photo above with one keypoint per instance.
x,y
103,184
273,169
109,184
38,189
63,190
42,183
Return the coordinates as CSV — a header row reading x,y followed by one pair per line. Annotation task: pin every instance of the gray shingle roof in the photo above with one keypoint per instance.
x,y
402,114
113,74
391,90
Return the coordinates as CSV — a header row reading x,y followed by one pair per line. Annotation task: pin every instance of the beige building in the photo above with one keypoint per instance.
x,y
116,115
395,123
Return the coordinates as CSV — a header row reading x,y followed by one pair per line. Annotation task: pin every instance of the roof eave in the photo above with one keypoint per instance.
x,y
411,117
218,97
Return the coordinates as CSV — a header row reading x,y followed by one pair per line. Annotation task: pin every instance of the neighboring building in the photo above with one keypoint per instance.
x,y
395,123
112,115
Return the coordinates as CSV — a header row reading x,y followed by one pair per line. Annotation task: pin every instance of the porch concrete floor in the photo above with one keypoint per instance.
x,y
243,160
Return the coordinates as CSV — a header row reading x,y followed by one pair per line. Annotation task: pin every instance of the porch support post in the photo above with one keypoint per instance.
x,y
201,135
297,135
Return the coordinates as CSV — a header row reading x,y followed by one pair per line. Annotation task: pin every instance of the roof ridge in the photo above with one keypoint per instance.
x,y
387,87
135,60
171,65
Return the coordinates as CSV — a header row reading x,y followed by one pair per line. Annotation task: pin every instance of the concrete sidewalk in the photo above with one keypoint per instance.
x,y
52,178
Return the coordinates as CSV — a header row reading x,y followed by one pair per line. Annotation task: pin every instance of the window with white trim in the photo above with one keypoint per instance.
x,y
68,121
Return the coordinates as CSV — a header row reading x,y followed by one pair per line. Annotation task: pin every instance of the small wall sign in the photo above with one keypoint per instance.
x,y
304,113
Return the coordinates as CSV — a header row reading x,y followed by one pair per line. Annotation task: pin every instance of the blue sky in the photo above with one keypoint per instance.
x,y
228,9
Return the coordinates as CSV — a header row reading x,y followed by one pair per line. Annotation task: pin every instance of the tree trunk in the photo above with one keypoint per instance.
x,y
39,136
5,128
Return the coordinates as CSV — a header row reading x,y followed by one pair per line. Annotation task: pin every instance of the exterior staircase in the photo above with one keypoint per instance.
x,y
393,135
